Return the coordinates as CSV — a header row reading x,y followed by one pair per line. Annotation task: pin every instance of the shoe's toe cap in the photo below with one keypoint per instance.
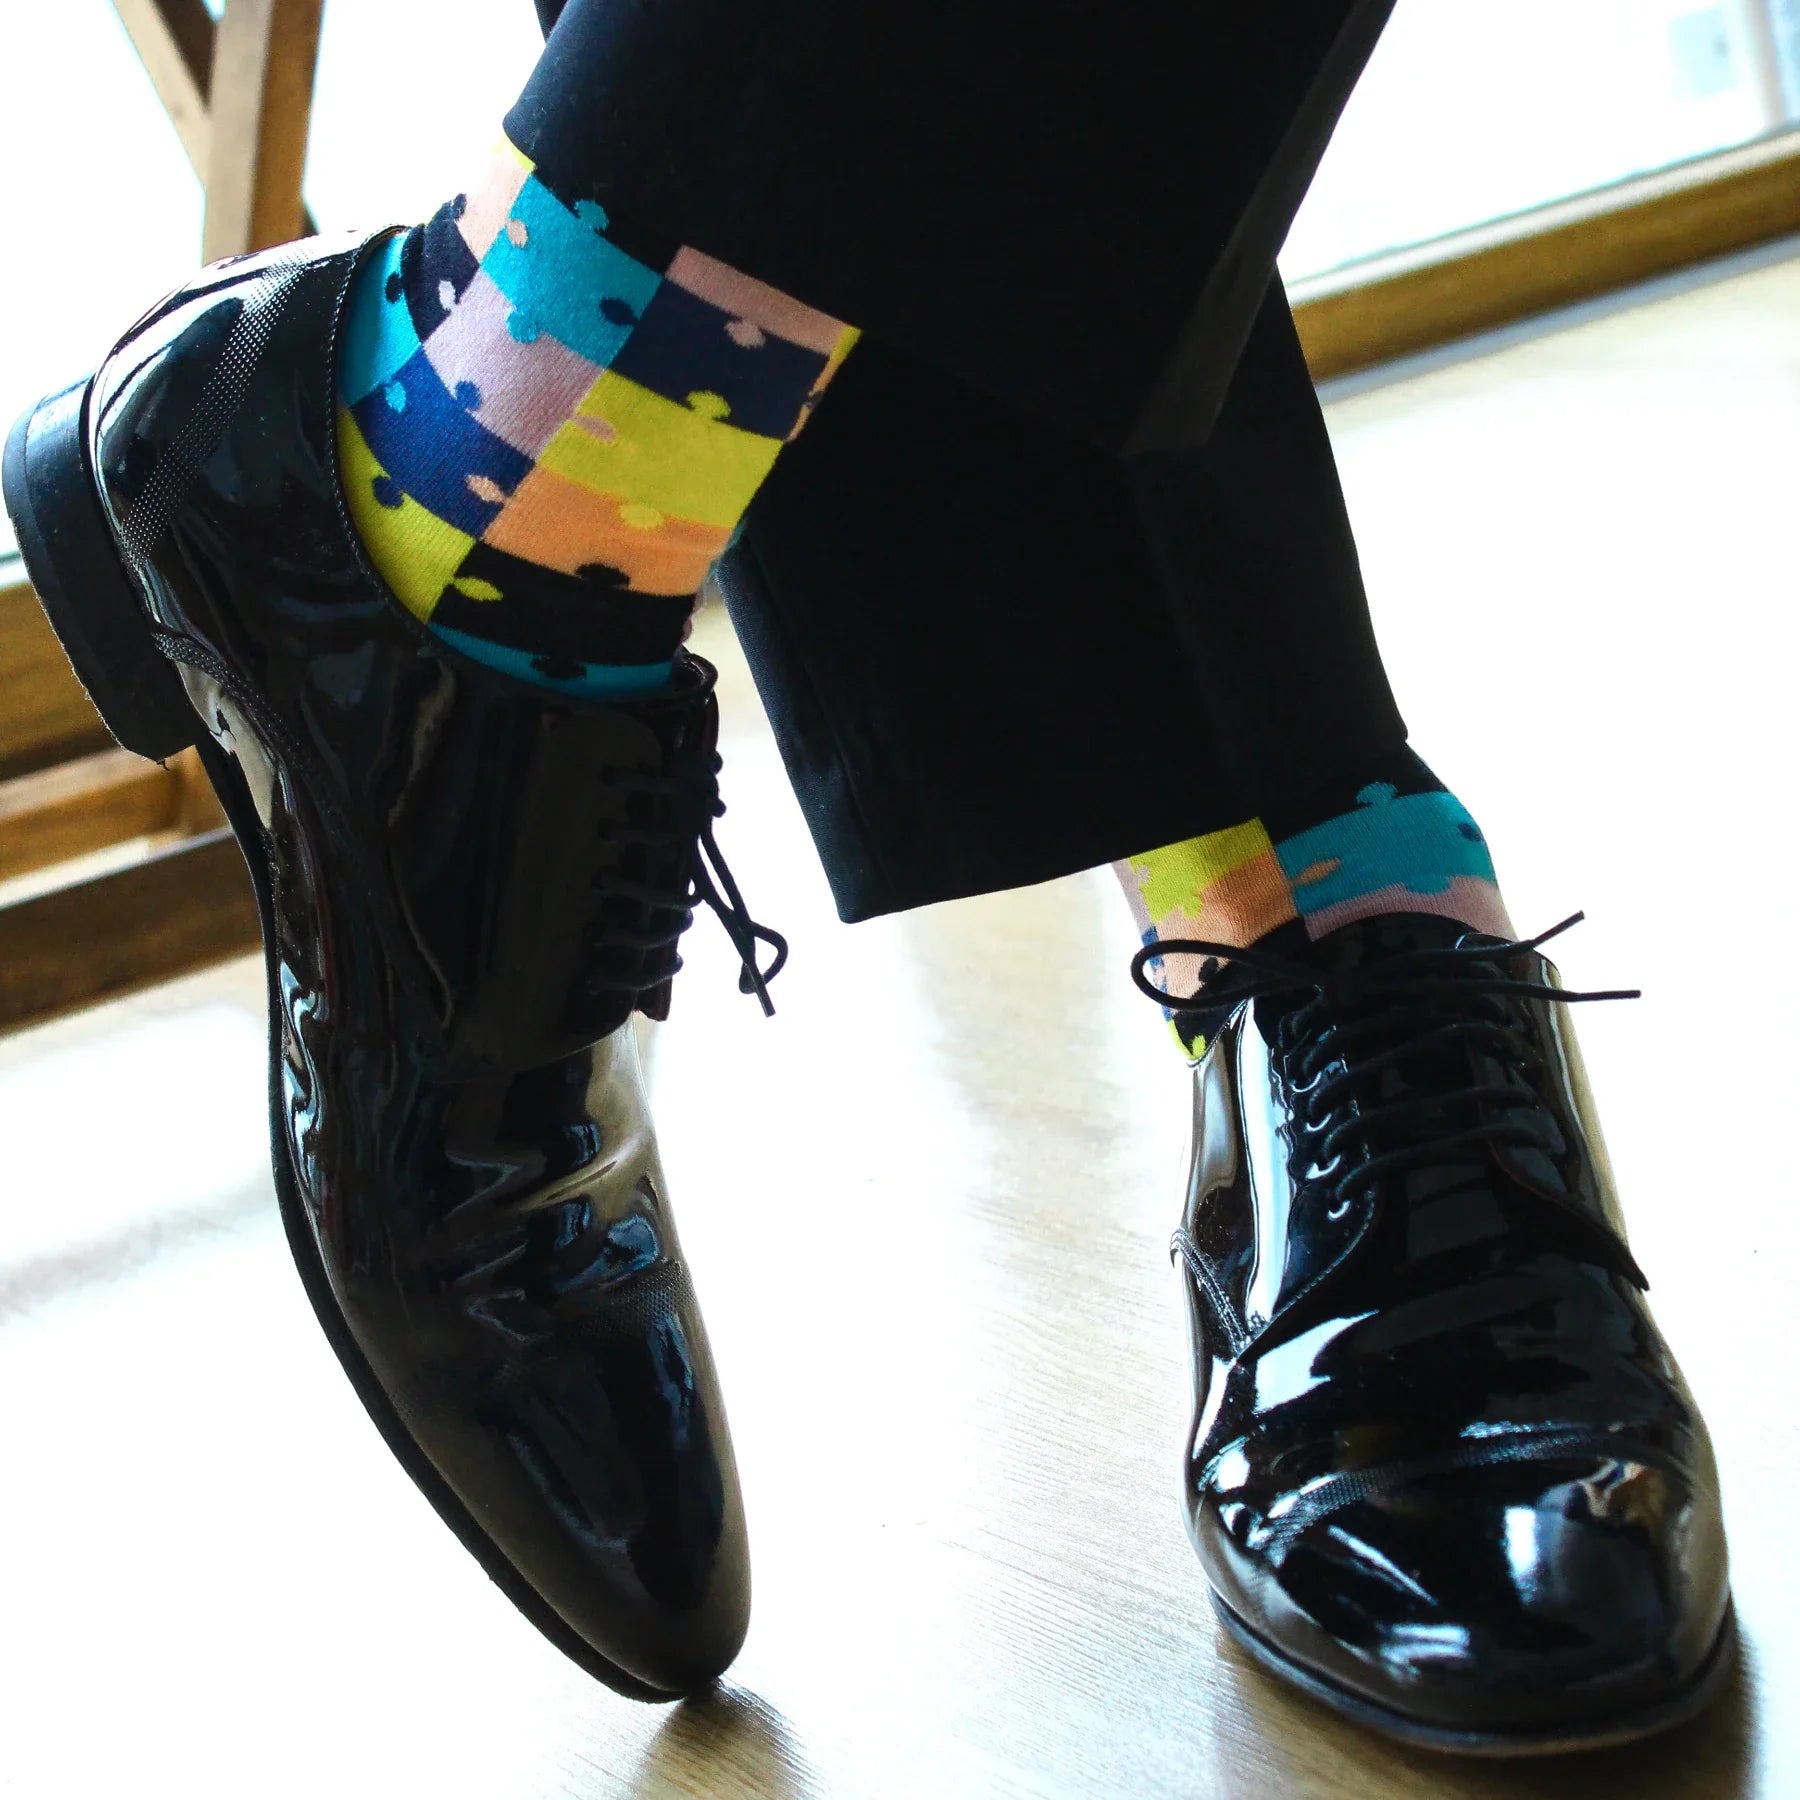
x,y
597,1485
1535,1595
623,1506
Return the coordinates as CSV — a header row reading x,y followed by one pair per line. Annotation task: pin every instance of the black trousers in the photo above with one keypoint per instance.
x,y
1054,574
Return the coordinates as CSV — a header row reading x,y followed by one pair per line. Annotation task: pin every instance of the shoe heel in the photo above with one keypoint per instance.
x,y
74,564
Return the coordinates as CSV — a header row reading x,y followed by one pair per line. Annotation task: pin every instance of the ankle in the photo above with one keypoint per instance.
x,y
550,425
1392,840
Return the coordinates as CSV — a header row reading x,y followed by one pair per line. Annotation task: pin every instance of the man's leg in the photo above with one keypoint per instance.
x,y
1347,824
401,534
1443,1470
551,422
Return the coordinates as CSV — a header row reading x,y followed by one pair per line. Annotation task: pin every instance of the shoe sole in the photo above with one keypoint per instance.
x,y
93,606
1695,1695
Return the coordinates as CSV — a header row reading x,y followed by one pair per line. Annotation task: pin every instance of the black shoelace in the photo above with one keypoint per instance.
x,y
1345,1028
682,809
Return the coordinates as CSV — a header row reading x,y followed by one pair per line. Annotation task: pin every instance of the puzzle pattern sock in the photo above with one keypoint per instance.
x,y
1395,841
550,424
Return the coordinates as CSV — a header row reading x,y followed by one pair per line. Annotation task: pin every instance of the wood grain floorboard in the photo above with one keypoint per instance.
x,y
928,1208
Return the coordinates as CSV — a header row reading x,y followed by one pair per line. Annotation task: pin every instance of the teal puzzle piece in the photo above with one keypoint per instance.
x,y
1422,842
378,340
565,278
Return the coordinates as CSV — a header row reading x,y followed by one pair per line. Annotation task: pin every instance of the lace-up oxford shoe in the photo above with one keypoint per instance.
x,y
1444,1473
467,887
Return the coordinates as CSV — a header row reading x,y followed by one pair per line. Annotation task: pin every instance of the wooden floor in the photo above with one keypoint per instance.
x,y
928,1206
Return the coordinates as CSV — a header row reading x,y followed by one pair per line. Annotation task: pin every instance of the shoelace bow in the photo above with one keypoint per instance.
x,y
693,801
1410,1004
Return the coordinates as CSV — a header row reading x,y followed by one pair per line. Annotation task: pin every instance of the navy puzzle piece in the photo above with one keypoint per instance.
x,y
563,615
682,345
436,267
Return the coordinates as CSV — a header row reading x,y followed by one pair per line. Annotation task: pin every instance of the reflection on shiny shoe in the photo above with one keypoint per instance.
x,y
1444,1473
468,886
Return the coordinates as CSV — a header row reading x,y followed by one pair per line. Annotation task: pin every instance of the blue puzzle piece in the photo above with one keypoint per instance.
x,y
432,447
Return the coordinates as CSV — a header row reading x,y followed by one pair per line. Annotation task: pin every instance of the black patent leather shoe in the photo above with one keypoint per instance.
x,y
467,885
1444,1473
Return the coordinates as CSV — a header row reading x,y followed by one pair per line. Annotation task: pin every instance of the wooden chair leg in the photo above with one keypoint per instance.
x,y
180,910
240,95
45,718
74,807
264,53
174,42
